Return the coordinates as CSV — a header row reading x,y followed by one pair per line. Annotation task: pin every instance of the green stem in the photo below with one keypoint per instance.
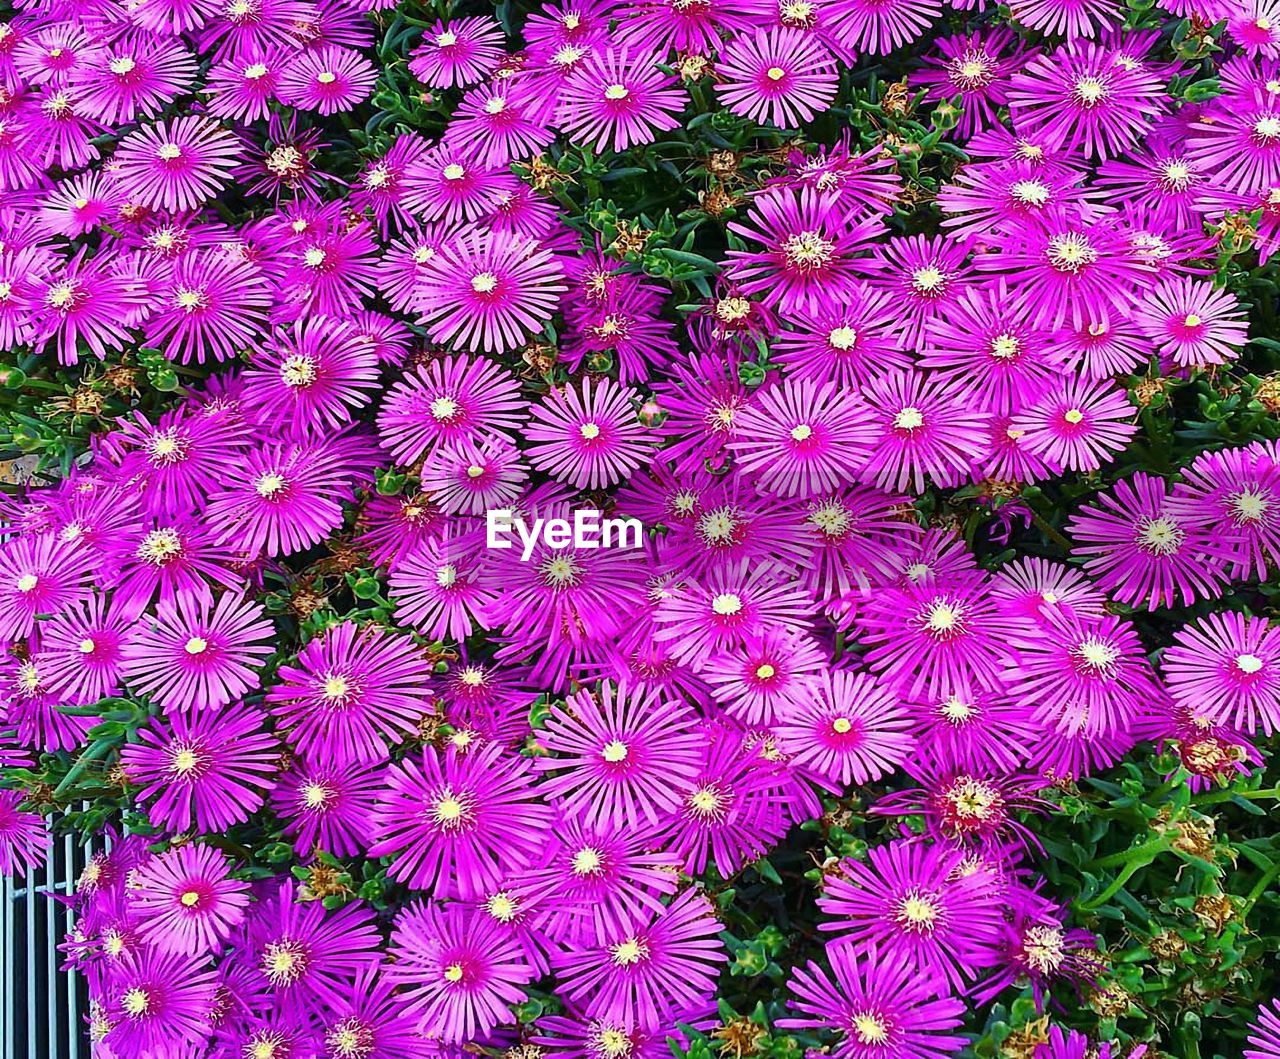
x,y
1042,524
1214,797
1153,846
1117,884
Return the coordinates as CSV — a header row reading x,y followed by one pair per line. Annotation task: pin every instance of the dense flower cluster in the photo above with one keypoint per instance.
x,y
549,756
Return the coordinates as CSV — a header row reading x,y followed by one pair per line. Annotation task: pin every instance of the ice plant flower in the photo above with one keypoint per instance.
x,y
664,963
187,900
880,1007
197,656
176,165
351,689
457,822
624,759
1225,669
782,76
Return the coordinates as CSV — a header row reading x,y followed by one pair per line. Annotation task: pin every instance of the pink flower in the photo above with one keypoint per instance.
x,y
196,656
458,824
457,53
665,963
625,759
1191,323
351,689
782,76
176,165
460,969
187,900
328,80
801,440
619,100
1140,551
588,440
1224,669
488,290
852,730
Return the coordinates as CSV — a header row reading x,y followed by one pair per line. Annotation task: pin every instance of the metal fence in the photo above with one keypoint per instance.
x,y
42,1009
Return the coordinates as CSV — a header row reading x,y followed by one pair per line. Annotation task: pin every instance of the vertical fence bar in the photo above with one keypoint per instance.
x,y
28,977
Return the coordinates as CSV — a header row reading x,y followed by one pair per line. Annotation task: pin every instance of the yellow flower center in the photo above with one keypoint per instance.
x,y
909,418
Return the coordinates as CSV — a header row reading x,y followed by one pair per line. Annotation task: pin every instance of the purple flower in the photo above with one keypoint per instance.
x,y
880,1006
457,822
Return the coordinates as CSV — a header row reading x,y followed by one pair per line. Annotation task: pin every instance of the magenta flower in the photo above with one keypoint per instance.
x,y
1264,1032
204,770
187,900
914,901
499,123
810,254
922,426
457,824
1141,552
460,969
588,440
849,343
40,574
135,77
1225,670
726,607
1070,18
925,277
802,440
470,479
447,184
767,676
877,27
488,290
781,76
660,25
327,809
1192,324
853,730
1238,140
352,688
1070,270
666,962
977,69
615,99
302,953
313,376
1075,424
82,649
176,165
1233,497
1081,675
89,300
457,53
622,760
157,1001
285,497
597,881
24,838
244,88
1081,97
882,1008
984,343
328,80
451,400
736,810
210,305
194,655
